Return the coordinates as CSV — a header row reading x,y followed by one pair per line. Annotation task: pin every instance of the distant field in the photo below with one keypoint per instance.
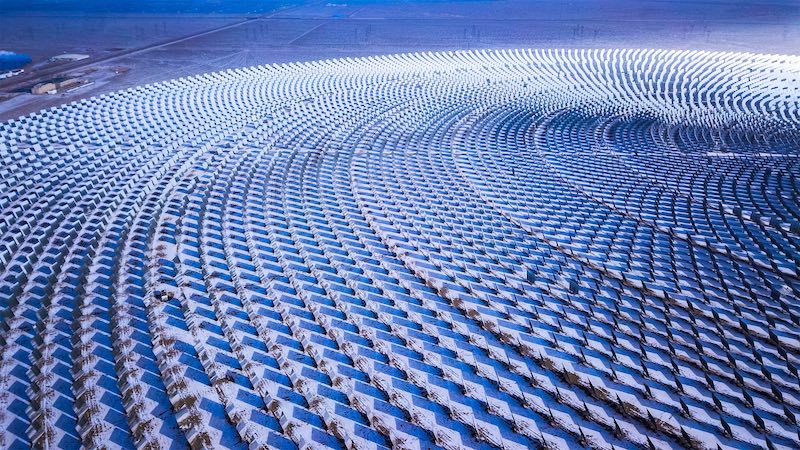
x,y
41,37
155,41
145,6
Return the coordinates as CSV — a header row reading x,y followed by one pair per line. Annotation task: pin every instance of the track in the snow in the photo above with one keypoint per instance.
x,y
500,249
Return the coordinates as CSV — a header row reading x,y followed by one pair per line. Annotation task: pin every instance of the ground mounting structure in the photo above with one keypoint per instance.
x,y
485,250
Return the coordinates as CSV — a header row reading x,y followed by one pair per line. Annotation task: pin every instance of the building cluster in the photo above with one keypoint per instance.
x,y
54,86
486,250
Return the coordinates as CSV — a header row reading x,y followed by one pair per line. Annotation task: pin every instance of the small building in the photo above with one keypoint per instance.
x,y
44,88
69,57
53,86
10,61
68,83
11,73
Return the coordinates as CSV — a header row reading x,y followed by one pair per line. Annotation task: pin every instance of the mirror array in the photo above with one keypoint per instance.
x,y
491,249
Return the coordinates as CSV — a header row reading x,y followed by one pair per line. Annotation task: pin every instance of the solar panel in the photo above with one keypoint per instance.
x,y
494,249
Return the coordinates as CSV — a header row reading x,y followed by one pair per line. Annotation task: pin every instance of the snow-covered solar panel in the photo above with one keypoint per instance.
x,y
482,249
